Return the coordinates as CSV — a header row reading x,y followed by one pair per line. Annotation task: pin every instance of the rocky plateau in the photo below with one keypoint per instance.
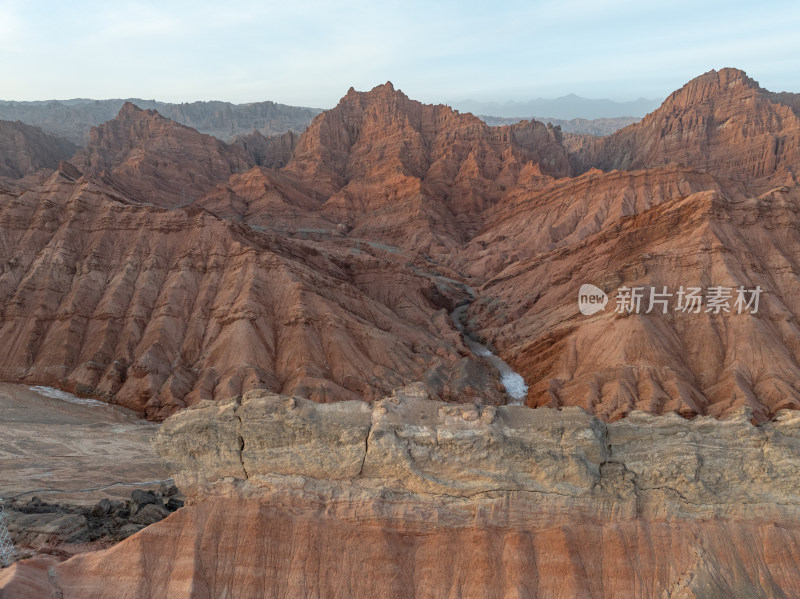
x,y
413,497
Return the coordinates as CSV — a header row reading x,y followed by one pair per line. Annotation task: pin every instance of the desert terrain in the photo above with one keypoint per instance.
x,y
365,346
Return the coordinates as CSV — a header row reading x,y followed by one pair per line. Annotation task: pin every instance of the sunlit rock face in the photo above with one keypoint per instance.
x,y
721,122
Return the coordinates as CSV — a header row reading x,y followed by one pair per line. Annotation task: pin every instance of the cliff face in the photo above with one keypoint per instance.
x,y
25,149
411,497
722,123
643,466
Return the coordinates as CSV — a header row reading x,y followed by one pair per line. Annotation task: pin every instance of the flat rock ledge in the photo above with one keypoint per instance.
x,y
408,450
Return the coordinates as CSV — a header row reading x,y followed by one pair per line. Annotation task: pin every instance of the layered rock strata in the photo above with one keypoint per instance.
x,y
155,309
721,122
412,497
157,161
642,466
164,267
668,228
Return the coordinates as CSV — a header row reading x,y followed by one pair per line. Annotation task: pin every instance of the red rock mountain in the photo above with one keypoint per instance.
x,y
25,149
417,175
722,123
331,277
156,309
653,228
155,160
386,168
337,276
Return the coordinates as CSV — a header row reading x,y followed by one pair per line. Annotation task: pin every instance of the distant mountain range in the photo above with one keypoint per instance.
x,y
598,127
73,119
565,108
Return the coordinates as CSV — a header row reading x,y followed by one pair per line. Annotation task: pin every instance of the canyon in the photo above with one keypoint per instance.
x,y
327,324
159,266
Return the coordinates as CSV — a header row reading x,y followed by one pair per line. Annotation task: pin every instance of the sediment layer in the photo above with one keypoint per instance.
x,y
411,447
413,497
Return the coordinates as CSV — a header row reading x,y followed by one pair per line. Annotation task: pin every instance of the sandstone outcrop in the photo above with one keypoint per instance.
x,y
411,497
642,466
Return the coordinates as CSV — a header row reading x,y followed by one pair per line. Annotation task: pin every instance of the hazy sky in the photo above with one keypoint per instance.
x,y
309,53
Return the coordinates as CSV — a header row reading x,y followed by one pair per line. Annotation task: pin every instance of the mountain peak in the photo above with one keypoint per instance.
x,y
381,139
130,110
715,116
709,85
382,90
155,159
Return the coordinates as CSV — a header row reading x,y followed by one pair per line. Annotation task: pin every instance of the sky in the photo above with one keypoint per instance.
x,y
309,53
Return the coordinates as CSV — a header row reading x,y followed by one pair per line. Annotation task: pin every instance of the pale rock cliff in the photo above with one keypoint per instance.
x,y
412,497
